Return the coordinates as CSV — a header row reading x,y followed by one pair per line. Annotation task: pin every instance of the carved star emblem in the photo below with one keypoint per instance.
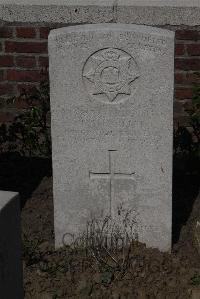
x,y
111,73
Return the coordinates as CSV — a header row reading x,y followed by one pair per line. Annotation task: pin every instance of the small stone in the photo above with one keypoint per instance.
x,y
195,293
44,246
97,277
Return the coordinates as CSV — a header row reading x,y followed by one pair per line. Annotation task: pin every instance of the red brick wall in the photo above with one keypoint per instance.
x,y
23,52
187,68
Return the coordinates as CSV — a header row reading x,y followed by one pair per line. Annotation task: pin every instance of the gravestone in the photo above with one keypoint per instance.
x,y
11,283
112,112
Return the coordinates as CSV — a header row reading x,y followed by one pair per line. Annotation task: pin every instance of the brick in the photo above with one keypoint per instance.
x,y
186,78
179,49
21,104
193,49
6,32
25,47
1,75
187,35
23,76
28,87
43,61
25,32
6,117
187,64
44,32
183,93
6,88
6,61
181,120
180,78
178,108
25,61
192,78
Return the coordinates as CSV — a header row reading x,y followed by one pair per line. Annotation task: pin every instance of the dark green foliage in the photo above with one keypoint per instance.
x,y
107,276
196,280
194,112
31,252
187,139
29,134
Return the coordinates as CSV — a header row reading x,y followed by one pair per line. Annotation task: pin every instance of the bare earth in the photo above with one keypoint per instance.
x,y
69,273
66,274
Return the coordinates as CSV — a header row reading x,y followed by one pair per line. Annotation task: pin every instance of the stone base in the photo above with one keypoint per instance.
x,y
11,285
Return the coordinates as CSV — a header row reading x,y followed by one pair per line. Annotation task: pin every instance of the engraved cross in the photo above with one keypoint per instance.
x,y
111,176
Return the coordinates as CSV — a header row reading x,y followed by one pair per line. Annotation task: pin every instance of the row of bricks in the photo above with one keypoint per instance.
x,y
9,115
24,47
24,32
41,47
181,93
27,62
42,32
12,89
24,61
186,78
181,78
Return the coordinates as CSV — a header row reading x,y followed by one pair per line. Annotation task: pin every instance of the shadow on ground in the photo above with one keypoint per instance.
x,y
22,174
186,183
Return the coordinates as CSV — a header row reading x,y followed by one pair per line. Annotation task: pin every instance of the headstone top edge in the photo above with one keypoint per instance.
x,y
111,27
160,3
6,196
68,3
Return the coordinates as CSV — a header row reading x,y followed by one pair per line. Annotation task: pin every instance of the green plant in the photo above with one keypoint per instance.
x,y
196,280
187,139
30,251
29,134
108,242
193,110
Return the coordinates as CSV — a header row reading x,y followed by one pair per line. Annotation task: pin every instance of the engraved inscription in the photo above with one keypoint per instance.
x,y
109,73
144,38
133,40
110,176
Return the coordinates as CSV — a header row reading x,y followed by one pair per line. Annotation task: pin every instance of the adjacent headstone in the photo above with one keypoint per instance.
x,y
11,283
112,112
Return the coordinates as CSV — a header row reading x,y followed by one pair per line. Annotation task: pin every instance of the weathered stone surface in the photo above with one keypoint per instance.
x,y
70,11
11,285
159,12
111,101
146,12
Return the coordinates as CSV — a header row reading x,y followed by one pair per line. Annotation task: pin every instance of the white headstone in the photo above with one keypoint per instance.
x,y
11,283
112,112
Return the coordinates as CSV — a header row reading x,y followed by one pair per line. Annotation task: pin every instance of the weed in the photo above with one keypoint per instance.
x,y
196,280
187,139
108,242
29,134
31,251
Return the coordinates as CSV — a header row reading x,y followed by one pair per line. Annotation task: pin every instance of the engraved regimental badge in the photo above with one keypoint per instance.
x,y
109,74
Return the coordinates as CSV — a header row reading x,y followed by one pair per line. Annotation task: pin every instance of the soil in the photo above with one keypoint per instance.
x,y
135,272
